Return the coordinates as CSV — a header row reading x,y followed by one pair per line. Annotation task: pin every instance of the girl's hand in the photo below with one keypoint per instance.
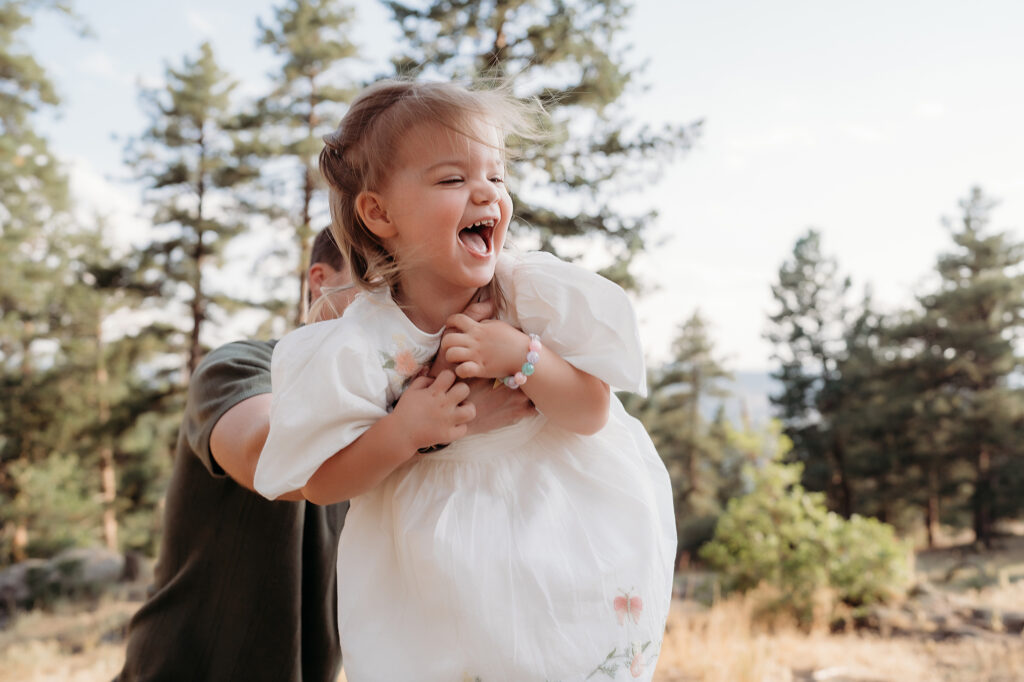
x,y
432,410
477,312
490,348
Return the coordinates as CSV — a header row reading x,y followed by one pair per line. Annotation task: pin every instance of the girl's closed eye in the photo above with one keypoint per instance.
x,y
450,181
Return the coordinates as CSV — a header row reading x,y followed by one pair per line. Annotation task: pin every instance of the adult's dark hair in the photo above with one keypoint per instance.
x,y
325,250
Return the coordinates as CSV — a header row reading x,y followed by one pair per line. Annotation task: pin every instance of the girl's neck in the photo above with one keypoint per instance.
x,y
429,309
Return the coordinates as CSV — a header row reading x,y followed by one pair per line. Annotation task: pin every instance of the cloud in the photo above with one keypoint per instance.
x,y
864,133
931,109
199,23
117,205
772,139
101,65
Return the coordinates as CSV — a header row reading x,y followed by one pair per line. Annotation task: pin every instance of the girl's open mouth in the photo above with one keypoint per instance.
x,y
477,238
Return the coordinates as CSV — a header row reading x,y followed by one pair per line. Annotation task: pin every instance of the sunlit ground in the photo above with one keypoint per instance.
x,y
720,644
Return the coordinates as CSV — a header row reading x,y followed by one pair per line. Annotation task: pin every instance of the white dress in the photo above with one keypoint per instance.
x,y
526,554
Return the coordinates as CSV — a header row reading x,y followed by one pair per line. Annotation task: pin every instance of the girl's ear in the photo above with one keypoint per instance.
x,y
370,207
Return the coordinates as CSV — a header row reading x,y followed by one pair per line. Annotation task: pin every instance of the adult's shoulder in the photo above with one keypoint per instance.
x,y
234,361
252,349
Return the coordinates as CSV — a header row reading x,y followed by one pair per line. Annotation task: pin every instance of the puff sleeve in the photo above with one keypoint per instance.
x,y
585,318
326,395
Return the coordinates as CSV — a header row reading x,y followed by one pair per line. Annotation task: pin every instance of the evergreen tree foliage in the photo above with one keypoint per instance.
x,y
964,341
313,38
33,260
568,55
194,169
693,451
808,332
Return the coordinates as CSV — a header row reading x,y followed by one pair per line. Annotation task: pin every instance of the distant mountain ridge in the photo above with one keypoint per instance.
x,y
749,393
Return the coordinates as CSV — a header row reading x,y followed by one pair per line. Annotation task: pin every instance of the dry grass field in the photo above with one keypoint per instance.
x,y
724,643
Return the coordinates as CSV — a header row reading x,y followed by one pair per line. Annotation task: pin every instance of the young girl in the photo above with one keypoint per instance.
x,y
538,552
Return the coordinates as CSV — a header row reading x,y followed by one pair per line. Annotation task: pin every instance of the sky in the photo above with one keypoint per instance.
x,y
867,121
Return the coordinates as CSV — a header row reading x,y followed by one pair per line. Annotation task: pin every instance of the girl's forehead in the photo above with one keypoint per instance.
x,y
432,139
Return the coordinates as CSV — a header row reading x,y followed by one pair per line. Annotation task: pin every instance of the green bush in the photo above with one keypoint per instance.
x,y
782,535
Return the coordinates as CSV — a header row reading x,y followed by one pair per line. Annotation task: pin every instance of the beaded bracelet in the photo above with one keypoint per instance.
x,y
532,357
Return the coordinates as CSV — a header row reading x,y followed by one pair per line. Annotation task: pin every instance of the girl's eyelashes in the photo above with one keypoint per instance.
x,y
497,179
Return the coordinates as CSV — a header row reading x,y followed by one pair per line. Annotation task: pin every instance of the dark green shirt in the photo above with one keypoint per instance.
x,y
245,587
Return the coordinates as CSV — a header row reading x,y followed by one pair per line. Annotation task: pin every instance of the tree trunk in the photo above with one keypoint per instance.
x,y
983,498
840,479
107,473
305,229
932,506
19,548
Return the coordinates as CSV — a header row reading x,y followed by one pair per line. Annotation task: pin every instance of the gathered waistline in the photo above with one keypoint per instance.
x,y
484,445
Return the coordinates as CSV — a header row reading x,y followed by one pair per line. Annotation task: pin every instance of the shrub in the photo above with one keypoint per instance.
x,y
781,535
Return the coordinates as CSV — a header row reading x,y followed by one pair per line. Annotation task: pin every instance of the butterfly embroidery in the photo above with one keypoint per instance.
x,y
630,606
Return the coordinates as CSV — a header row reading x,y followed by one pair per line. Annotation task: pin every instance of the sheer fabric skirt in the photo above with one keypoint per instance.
x,y
528,553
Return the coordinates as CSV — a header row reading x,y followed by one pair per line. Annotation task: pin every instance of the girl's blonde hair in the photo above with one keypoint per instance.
x,y
364,148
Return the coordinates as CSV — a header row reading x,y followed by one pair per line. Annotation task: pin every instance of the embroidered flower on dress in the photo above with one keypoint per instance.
x,y
636,666
401,362
405,363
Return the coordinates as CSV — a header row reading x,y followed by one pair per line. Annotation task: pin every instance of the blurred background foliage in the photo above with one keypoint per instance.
x,y
913,417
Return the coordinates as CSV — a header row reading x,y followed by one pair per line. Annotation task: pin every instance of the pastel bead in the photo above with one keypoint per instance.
x,y
535,344
533,357
519,378
511,382
528,368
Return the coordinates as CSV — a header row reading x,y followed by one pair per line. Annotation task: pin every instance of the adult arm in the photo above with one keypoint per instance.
x,y
238,437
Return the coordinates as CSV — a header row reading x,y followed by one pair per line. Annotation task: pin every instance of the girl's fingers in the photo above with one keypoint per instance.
x,y
421,382
461,321
456,340
468,370
479,311
458,392
458,354
465,413
443,381
456,432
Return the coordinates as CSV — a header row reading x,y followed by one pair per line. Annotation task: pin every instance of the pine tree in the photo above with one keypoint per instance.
x,y
693,450
808,334
129,392
313,39
965,338
194,170
32,257
568,55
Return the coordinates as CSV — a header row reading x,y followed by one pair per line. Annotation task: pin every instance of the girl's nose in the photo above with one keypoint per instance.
x,y
485,192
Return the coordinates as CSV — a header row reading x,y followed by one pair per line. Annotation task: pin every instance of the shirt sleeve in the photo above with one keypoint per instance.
x,y
225,377
327,393
587,319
